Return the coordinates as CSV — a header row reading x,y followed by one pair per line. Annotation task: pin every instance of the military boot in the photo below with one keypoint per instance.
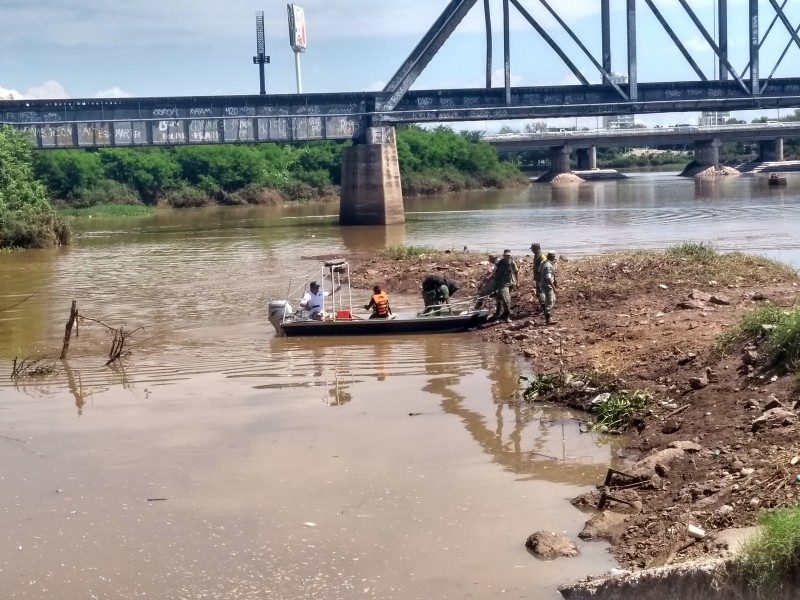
x,y
547,318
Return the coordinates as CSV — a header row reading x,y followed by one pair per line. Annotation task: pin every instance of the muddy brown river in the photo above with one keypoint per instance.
x,y
218,461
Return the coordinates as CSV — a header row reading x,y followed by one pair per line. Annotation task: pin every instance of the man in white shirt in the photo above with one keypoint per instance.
x,y
312,301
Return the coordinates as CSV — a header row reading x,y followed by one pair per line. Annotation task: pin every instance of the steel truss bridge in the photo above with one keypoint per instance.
x,y
302,117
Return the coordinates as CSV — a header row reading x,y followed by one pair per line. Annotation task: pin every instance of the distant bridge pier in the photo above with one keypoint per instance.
x,y
706,153
771,151
560,159
371,192
587,159
706,161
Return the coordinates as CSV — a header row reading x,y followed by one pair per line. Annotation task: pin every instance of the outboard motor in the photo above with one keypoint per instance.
x,y
279,310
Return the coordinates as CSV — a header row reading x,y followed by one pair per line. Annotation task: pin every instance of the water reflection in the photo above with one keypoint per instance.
x,y
478,384
356,239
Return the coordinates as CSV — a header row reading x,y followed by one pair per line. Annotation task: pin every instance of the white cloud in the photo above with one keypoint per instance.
x,y
53,90
46,90
114,92
7,93
698,44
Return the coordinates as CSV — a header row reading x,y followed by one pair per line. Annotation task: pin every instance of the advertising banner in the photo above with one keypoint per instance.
x,y
297,28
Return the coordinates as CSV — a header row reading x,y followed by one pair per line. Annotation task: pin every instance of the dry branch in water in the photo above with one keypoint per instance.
x,y
32,366
120,337
17,304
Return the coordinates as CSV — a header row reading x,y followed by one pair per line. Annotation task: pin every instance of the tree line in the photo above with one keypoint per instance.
x,y
431,161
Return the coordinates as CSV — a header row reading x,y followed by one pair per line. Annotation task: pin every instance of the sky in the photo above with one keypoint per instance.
x,y
107,48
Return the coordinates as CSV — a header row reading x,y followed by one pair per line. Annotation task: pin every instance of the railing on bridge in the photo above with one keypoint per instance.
x,y
778,128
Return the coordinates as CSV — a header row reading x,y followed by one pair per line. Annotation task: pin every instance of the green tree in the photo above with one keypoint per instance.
x,y
226,168
318,164
26,216
66,171
149,172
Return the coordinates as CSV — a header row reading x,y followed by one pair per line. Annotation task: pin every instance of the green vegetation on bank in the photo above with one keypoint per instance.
x,y
779,329
618,411
398,252
26,217
700,251
772,558
431,161
109,210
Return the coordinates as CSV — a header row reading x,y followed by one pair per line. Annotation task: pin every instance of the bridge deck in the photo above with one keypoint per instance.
x,y
294,118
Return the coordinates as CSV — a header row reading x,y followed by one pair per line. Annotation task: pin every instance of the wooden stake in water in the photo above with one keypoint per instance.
x,y
73,313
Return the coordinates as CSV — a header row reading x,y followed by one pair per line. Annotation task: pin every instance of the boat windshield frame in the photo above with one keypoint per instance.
x,y
338,272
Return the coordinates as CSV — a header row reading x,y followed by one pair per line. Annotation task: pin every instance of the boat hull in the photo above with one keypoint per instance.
x,y
397,326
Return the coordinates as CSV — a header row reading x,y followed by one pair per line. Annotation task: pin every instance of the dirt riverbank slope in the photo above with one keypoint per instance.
x,y
649,321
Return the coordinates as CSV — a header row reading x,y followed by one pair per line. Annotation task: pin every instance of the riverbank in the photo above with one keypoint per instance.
x,y
718,427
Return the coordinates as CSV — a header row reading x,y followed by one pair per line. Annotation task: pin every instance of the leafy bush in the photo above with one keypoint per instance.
x,y
297,190
187,197
105,191
27,218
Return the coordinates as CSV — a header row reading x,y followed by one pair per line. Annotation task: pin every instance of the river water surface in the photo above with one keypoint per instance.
x,y
218,461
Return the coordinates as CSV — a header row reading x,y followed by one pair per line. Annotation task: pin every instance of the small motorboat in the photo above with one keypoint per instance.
x,y
776,179
337,317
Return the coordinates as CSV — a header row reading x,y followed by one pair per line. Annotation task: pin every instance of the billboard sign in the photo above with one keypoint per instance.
x,y
297,28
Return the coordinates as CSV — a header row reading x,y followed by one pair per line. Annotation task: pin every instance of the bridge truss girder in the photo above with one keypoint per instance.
x,y
296,118
456,10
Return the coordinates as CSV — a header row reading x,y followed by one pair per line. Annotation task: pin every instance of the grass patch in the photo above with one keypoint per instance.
x,y
108,210
784,340
541,384
772,557
750,326
699,251
617,412
397,252
782,335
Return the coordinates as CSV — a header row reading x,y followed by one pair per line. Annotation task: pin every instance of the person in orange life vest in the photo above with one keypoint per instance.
x,y
379,303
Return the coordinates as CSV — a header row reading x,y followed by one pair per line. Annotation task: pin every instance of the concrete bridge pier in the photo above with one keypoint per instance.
x,y
559,160
587,159
371,191
706,153
771,151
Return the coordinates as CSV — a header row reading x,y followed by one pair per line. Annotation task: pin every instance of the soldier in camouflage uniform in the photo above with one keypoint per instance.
x,y
547,286
505,278
538,259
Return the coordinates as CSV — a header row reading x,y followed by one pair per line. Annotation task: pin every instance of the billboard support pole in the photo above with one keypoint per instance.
x,y
297,73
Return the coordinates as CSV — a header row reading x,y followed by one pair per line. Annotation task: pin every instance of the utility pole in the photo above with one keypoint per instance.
x,y
261,57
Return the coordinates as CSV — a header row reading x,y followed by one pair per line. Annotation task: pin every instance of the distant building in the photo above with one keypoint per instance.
x,y
713,118
619,121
